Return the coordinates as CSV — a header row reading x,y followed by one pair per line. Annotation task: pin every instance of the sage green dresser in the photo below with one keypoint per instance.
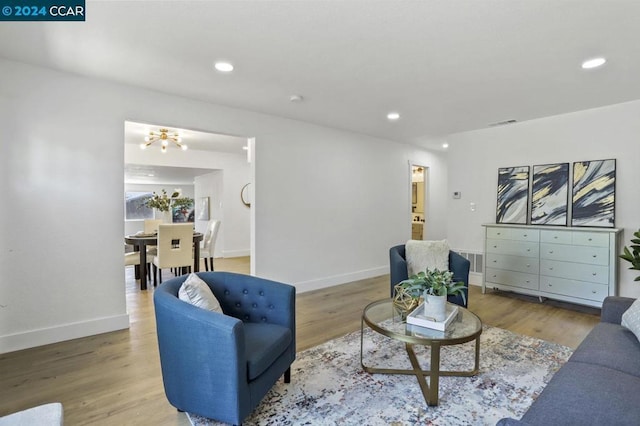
x,y
577,265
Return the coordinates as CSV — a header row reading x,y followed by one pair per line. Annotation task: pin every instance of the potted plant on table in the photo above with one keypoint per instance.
x,y
633,256
434,286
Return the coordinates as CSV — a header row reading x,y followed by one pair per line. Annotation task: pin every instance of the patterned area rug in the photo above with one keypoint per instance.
x,y
328,386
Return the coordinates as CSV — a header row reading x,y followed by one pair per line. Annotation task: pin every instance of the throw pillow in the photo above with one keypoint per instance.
x,y
631,318
423,255
198,293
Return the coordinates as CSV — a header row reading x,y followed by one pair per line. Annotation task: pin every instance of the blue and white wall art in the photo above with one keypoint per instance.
x,y
594,193
550,194
513,194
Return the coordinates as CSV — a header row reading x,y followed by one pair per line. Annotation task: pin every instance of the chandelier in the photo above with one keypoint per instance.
x,y
164,137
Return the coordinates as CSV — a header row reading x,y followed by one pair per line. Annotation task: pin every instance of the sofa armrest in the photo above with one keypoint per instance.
x,y
613,307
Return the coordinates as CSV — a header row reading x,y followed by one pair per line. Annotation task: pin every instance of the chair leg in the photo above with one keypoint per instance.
x,y
211,262
206,264
287,375
155,275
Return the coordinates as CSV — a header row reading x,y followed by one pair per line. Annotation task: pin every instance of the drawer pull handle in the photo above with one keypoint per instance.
x,y
590,239
528,281
593,291
550,251
549,285
525,235
555,238
495,261
499,233
595,255
495,246
594,274
551,269
528,265
528,249
495,276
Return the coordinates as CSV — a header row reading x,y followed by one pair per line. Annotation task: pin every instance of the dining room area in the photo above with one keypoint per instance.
x,y
186,201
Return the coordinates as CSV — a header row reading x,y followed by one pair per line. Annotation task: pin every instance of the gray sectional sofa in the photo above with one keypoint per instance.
x,y
600,384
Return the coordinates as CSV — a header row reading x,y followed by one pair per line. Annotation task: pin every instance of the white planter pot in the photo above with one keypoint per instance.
x,y
435,307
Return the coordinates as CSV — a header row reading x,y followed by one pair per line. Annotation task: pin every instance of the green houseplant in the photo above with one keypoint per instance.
x,y
633,255
433,282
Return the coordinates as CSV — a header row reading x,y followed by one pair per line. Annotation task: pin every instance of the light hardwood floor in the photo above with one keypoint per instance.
x,y
115,379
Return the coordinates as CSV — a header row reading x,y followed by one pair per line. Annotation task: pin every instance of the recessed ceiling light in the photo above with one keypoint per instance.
x,y
223,66
393,116
593,63
445,145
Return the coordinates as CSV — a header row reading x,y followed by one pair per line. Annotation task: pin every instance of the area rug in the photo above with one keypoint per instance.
x,y
328,386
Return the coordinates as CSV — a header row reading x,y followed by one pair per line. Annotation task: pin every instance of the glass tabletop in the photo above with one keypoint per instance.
x,y
385,318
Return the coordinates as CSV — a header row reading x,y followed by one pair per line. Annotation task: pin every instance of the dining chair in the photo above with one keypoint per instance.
x,y
175,248
209,243
151,227
133,259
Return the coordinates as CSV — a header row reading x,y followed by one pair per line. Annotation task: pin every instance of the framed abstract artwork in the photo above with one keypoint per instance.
x,y
550,194
594,193
513,195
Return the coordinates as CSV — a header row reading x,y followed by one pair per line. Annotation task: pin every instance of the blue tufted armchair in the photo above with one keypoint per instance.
x,y
221,366
457,264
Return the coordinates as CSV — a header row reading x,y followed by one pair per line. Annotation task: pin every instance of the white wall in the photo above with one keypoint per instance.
x,y
602,133
328,204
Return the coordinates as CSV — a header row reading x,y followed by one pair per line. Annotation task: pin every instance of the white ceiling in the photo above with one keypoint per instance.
x,y
445,65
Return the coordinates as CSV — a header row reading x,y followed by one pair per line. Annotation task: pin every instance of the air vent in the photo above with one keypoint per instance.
x,y
476,259
503,123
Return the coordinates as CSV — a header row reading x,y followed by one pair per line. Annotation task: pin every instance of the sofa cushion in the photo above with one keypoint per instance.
x,y
585,394
198,293
631,318
610,345
264,343
423,255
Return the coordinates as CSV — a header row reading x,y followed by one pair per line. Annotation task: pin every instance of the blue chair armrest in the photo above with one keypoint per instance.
x,y
397,265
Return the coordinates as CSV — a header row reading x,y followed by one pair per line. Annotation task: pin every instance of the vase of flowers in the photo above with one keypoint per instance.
x,y
162,203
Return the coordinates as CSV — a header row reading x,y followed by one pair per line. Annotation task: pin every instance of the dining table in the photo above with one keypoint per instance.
x,y
140,242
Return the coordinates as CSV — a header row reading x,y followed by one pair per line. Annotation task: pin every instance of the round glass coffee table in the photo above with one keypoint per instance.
x,y
384,318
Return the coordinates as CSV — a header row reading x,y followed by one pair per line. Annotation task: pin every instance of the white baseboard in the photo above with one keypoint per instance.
x,y
46,336
236,253
319,283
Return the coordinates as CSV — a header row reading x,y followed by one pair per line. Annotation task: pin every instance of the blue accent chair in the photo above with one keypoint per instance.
x,y
221,366
457,264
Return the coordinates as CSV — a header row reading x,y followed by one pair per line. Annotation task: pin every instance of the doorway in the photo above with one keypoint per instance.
x,y
418,202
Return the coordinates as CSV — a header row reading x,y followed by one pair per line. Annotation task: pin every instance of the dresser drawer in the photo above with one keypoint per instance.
x,y
555,237
580,238
513,263
574,288
513,234
575,271
514,248
592,239
512,278
579,254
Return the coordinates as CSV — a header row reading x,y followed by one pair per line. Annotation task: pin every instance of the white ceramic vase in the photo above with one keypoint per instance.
x,y
435,307
165,217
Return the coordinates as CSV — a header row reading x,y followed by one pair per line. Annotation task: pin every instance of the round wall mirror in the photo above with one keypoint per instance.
x,y
244,195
